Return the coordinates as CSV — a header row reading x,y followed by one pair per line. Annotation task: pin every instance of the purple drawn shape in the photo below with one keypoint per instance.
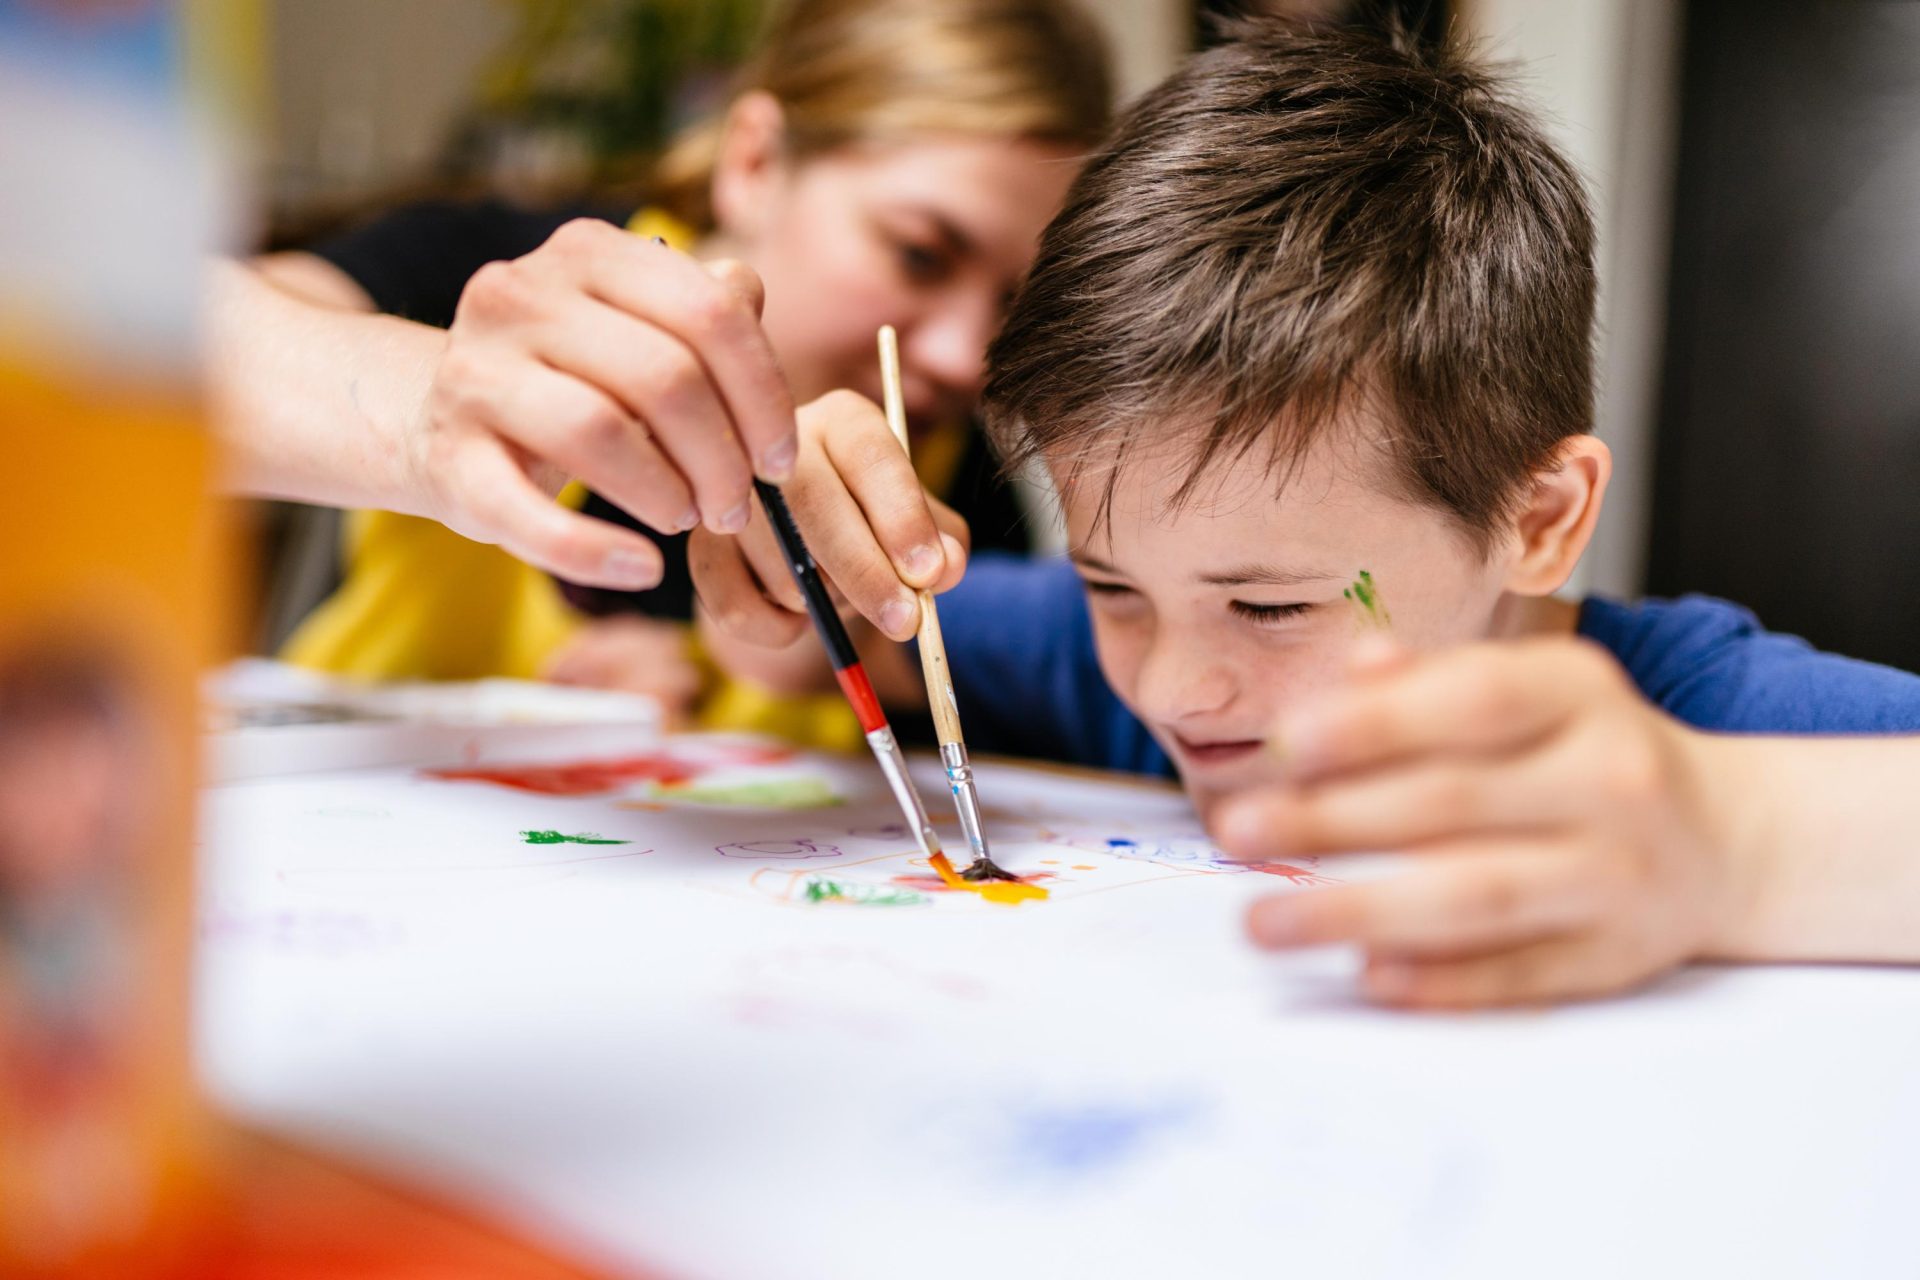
x,y
778,849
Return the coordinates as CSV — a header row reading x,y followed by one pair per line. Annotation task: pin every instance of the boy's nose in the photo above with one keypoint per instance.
x,y
1177,683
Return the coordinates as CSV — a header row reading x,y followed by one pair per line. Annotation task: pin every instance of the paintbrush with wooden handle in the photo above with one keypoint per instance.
x,y
933,658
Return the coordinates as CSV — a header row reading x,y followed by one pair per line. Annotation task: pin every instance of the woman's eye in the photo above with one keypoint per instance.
x,y
1267,612
921,263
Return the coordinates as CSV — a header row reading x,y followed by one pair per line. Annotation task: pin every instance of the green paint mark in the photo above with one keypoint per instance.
x,y
1365,592
560,837
782,793
863,895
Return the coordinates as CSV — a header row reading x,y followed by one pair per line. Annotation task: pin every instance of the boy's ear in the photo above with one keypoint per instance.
x,y
751,159
1556,524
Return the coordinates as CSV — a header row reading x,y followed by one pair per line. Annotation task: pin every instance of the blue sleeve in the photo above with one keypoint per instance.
x,y
1714,666
1025,673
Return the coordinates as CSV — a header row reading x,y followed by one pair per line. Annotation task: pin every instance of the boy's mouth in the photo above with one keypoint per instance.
x,y
1218,752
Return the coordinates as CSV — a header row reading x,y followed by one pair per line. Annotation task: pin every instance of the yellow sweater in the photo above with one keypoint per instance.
x,y
420,602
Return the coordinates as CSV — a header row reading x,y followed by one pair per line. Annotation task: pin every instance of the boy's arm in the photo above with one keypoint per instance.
x,y
1832,828
1570,839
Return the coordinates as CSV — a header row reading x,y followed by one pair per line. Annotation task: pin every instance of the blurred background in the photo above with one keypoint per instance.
x,y
1755,168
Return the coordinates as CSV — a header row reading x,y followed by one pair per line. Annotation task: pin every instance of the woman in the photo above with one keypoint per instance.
x,y
882,162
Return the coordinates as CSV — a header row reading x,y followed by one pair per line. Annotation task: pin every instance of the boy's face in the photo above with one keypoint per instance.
x,y
1213,619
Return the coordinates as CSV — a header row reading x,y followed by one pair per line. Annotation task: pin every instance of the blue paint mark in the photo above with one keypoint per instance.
x,y
1115,842
1076,1140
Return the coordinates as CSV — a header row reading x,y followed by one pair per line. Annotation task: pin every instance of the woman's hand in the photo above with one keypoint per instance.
x,y
616,361
1570,839
875,534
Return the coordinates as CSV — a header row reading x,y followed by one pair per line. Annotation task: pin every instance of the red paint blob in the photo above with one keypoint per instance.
x,y
596,777
1299,875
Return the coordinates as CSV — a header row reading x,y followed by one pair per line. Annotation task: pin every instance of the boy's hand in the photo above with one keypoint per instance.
x,y
1572,840
876,535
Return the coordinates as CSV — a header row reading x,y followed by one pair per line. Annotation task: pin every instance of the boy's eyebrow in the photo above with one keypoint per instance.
x,y
1264,575
1087,560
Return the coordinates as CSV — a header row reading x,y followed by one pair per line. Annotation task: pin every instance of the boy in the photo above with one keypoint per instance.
x,y
1307,356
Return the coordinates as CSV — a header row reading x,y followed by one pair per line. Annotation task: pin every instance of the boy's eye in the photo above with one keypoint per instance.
x,y
1267,612
1108,589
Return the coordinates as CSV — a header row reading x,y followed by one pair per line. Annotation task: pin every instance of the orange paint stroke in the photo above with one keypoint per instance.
x,y
1008,893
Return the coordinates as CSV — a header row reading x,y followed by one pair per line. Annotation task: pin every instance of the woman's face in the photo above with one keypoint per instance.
x,y
931,237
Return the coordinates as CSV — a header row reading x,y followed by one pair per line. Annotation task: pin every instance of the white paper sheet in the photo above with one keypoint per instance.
x,y
669,1053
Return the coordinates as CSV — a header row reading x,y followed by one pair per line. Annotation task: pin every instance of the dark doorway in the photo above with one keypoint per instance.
x,y
1788,461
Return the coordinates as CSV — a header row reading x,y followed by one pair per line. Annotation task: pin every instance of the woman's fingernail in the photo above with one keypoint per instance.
x,y
688,519
735,520
921,561
631,569
776,464
897,616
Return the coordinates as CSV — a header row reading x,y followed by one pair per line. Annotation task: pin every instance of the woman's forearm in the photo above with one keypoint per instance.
x,y
314,401
1831,827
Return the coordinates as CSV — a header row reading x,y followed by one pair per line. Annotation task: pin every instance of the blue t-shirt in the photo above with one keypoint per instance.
x,y
1020,645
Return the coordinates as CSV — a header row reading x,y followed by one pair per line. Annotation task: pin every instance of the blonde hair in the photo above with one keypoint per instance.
x,y
847,72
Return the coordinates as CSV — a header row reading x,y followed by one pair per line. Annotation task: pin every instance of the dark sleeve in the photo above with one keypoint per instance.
x,y
415,261
1025,673
986,501
1712,665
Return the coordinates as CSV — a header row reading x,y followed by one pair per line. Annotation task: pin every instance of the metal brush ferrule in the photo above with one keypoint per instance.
x,y
894,766
960,778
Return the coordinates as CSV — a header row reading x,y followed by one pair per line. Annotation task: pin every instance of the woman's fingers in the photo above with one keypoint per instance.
x,y
717,318
768,561
502,505
661,385
564,420
734,594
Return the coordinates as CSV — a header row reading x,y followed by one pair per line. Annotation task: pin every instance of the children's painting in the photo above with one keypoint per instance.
x,y
702,1007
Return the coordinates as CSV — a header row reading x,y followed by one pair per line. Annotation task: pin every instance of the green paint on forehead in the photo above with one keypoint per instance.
x,y
1365,593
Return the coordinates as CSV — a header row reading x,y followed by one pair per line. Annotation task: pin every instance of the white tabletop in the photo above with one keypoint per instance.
x,y
740,1044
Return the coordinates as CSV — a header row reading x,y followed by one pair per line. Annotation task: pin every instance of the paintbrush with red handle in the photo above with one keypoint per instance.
x,y
847,667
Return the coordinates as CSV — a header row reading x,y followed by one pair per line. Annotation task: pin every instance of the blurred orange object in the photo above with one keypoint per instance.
x,y
111,599
116,589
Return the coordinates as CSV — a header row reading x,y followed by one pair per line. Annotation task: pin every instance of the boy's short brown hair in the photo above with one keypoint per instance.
x,y
1296,217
